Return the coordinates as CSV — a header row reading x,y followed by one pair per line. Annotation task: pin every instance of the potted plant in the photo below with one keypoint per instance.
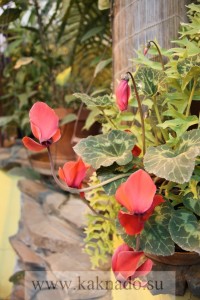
x,y
146,159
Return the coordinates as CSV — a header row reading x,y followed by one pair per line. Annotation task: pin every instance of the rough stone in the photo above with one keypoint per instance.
x,y
34,189
17,292
25,253
49,243
53,202
74,211
48,231
13,156
50,295
69,261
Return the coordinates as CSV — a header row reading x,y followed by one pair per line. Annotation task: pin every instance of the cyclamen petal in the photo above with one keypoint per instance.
x,y
132,224
122,94
44,125
128,264
32,145
45,119
137,193
136,151
73,173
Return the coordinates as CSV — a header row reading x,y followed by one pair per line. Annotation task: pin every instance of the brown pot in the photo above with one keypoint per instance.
x,y
177,259
184,265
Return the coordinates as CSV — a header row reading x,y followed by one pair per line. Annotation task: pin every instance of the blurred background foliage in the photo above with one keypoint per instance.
x,y
52,48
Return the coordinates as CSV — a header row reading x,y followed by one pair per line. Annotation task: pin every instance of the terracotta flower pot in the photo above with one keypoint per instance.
x,y
177,259
185,267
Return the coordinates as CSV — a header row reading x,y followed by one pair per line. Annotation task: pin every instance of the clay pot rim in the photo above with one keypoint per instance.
x,y
178,258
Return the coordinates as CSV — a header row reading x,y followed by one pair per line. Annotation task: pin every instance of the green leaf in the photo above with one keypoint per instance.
x,y
91,118
92,32
190,139
9,15
185,230
62,77
147,80
105,149
143,60
180,125
192,204
68,119
192,74
22,62
103,4
101,101
110,189
6,120
189,48
155,238
17,277
69,98
23,98
174,165
101,65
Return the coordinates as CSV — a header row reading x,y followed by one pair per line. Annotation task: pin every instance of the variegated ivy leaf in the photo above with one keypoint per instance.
x,y
192,203
101,101
155,238
105,149
185,230
147,80
185,65
190,139
174,165
115,170
180,124
110,189
189,68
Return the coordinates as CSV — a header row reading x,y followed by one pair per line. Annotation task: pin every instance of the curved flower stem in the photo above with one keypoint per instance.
x,y
87,189
137,242
160,55
140,111
191,97
108,120
72,190
95,212
165,136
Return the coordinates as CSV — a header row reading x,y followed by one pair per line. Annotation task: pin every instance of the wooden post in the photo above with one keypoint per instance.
x,y
138,21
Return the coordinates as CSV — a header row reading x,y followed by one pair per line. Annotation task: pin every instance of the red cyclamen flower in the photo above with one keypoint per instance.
x,y
128,264
122,94
136,151
137,195
44,126
73,173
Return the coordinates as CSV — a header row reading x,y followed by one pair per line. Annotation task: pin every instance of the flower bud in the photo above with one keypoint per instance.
x,y
122,94
146,49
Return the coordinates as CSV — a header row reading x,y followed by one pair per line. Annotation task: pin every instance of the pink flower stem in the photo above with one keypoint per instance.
x,y
87,189
137,243
140,111
72,190
59,183
160,55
